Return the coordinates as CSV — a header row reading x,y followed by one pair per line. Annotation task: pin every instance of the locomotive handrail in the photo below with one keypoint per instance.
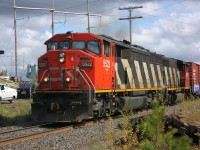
x,y
89,79
87,84
40,80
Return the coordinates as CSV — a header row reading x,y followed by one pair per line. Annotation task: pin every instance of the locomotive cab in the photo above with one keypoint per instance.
x,y
74,53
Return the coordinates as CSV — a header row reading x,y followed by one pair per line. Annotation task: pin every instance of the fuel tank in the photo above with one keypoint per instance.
x,y
130,103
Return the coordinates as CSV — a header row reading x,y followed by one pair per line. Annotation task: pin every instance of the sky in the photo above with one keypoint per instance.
x,y
168,27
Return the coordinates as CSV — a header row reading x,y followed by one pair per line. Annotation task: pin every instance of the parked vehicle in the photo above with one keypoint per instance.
x,y
7,93
26,87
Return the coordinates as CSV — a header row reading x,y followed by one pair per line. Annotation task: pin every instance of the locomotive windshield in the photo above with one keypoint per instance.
x,y
78,45
94,46
52,45
64,45
58,45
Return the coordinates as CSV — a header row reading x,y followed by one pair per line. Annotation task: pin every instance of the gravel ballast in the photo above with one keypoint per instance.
x,y
85,138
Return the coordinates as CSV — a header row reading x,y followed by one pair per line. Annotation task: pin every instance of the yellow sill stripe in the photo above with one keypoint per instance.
x,y
110,91
61,91
141,89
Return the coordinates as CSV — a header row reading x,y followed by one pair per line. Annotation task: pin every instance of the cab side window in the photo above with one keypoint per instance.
x,y
52,46
94,46
106,48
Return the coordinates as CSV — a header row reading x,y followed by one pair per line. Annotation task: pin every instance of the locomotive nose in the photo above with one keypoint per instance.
x,y
58,72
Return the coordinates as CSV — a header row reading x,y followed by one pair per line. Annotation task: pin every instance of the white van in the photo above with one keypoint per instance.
x,y
7,93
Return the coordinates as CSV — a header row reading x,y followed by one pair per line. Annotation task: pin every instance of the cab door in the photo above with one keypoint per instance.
x,y
108,65
113,57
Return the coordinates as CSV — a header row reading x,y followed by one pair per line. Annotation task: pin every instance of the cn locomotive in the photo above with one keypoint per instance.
x,y
83,75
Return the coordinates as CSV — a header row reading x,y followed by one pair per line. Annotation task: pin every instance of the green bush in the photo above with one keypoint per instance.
x,y
151,134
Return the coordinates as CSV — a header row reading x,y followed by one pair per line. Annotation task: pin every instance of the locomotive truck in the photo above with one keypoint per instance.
x,y
83,75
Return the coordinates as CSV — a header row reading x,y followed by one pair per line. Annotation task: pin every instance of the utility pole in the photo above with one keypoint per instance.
x,y
53,19
88,16
15,28
130,18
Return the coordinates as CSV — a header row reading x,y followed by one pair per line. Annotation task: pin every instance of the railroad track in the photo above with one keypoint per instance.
x,y
40,134
23,129
32,136
23,132
58,130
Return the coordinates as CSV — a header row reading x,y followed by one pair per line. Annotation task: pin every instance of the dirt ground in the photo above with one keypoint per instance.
x,y
189,112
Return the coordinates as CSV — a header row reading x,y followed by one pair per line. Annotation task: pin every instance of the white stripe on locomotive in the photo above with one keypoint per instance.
x,y
139,75
146,74
119,82
160,75
154,75
171,77
166,77
175,77
178,77
126,66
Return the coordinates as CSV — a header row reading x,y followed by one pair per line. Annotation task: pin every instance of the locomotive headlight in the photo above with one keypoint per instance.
x,y
46,79
68,79
62,57
62,60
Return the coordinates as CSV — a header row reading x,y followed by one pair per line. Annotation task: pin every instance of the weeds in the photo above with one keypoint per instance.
x,y
150,134
16,113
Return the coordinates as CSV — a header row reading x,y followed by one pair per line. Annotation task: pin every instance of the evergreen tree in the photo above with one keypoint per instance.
x,y
150,134
153,135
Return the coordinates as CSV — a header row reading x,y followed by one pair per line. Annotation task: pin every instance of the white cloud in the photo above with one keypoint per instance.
x,y
176,35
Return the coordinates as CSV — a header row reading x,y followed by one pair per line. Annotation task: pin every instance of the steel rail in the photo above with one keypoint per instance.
x,y
23,129
63,129
33,136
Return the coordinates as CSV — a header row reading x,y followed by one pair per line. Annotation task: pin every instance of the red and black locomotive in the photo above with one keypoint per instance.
x,y
83,75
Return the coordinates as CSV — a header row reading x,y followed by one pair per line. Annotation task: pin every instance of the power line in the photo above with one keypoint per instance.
x,y
167,6
147,13
130,18
126,3
52,10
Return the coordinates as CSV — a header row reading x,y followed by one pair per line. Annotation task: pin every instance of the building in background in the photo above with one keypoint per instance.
x,y
31,72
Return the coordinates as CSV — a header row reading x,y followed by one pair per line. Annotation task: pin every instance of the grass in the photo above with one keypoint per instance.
x,y
9,83
16,113
190,111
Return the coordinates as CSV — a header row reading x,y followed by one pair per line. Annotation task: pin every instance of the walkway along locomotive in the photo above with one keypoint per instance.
x,y
83,75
